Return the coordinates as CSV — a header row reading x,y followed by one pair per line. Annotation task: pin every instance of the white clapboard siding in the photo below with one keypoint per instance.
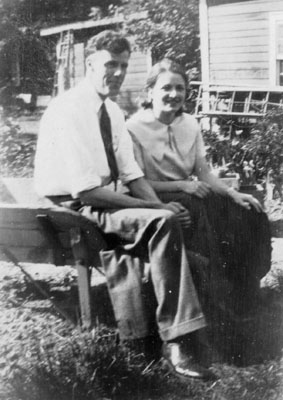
x,y
241,66
256,33
240,77
242,7
231,18
243,49
259,72
238,25
239,58
239,42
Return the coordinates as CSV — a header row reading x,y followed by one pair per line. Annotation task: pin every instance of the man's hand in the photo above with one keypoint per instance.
x,y
245,200
196,188
181,213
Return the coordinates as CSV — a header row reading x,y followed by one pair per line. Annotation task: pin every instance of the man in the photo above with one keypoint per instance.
x,y
74,161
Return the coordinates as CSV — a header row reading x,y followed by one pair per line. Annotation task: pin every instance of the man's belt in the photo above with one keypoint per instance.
x,y
61,198
66,200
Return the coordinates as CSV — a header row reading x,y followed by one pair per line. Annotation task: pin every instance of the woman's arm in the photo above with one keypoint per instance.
x,y
142,189
143,197
199,189
205,175
166,186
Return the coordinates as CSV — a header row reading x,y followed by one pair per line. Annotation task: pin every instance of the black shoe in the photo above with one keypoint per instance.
x,y
182,364
149,347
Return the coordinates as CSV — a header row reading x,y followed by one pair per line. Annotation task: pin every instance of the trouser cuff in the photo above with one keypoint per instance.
x,y
183,329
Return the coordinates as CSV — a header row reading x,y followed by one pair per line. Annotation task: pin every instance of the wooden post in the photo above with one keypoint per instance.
x,y
204,49
84,274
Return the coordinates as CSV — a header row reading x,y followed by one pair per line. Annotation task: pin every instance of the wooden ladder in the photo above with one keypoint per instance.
x,y
64,73
238,102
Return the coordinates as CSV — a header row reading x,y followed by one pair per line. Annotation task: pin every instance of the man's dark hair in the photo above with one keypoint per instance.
x,y
112,41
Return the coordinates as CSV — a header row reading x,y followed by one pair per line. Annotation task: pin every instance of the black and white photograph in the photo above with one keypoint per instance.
x,y
141,199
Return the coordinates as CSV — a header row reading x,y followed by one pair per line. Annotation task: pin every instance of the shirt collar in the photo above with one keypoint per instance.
x,y
148,117
94,96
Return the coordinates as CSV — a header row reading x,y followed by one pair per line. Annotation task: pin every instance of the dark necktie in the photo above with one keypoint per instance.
x,y
105,128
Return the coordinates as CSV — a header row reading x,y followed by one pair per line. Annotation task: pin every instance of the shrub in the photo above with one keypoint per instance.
x,y
226,152
258,148
16,149
265,147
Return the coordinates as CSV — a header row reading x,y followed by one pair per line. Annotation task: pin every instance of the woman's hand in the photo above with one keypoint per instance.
x,y
245,200
196,188
181,213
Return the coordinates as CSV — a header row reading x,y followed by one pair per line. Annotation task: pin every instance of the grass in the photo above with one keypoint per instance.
x,y
44,358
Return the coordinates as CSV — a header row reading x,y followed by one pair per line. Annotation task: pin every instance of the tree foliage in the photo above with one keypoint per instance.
x,y
26,65
171,29
42,13
21,46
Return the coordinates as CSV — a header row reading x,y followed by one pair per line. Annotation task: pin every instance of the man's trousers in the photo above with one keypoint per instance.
x,y
155,236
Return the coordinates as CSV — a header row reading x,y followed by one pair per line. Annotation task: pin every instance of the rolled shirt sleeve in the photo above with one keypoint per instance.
x,y
128,167
138,152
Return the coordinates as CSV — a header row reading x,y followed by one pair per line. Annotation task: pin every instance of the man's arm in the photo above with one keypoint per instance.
x,y
141,189
143,196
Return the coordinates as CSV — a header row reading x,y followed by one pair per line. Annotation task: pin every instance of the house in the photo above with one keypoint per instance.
x,y
70,69
241,55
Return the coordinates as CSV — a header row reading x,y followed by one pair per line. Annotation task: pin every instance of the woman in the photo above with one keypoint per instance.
x,y
228,227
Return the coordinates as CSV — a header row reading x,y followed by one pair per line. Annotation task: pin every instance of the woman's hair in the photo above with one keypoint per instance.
x,y
165,65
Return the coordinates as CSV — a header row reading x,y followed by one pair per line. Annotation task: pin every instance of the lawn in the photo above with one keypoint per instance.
x,y
44,357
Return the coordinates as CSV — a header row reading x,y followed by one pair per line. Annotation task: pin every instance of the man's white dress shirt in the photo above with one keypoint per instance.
x,y
70,156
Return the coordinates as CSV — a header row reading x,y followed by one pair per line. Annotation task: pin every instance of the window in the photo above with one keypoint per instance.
x,y
279,54
276,49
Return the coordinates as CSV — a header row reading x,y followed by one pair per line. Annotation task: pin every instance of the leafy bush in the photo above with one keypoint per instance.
x,y
16,149
265,148
258,148
226,152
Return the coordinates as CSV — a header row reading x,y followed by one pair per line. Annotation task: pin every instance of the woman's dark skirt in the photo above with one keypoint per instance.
x,y
237,243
